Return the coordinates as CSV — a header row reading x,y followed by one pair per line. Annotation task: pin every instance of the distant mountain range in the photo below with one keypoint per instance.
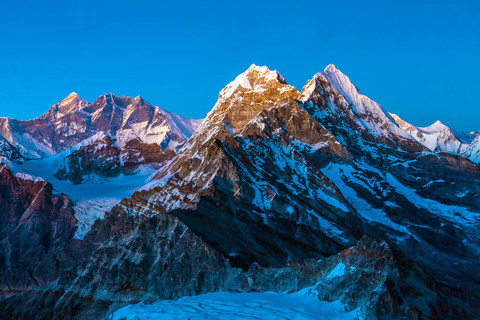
x,y
109,203
73,120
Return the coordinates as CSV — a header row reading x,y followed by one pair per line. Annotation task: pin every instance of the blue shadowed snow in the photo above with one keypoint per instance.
x,y
92,198
301,305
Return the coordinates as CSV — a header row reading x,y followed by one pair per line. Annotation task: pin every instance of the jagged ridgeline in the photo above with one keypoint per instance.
x,y
109,203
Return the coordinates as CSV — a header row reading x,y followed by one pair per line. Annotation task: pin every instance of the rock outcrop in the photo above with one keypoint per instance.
x,y
36,231
8,151
102,157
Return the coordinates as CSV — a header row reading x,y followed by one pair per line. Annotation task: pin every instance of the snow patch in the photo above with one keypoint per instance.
x,y
92,198
338,271
301,305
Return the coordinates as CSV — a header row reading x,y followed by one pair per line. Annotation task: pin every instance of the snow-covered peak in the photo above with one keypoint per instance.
x,y
255,90
254,67
95,139
72,120
436,137
404,124
313,87
255,78
263,70
435,127
69,104
345,87
370,114
330,68
72,98
99,139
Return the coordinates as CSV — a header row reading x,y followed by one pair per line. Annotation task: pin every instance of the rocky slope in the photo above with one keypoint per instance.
x,y
102,157
249,185
8,151
73,120
36,231
277,190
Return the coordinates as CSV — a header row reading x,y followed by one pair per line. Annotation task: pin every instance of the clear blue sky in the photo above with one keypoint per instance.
x,y
419,59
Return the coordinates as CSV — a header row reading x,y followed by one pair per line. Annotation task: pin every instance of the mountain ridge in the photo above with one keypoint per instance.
x,y
73,119
277,190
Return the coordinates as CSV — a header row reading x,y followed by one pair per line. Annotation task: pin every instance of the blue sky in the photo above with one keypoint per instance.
x,y
419,59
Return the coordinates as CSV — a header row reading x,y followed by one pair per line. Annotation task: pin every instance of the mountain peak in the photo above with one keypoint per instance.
x,y
330,68
264,71
71,97
435,127
106,99
68,104
253,66
344,99
255,71
254,79
254,90
109,95
436,137
140,100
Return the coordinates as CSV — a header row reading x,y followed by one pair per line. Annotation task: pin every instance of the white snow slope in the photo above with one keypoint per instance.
x,y
436,137
373,117
302,305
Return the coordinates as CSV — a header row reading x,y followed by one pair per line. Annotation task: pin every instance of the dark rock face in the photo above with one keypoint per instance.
x,y
9,152
36,231
132,258
159,257
101,157
276,191
135,152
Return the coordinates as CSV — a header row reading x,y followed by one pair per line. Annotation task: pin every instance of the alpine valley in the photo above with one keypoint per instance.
x,y
278,203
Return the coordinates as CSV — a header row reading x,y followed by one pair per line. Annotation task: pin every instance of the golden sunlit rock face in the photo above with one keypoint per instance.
x,y
255,90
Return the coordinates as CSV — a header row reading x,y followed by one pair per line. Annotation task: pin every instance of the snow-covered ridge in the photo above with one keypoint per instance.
x,y
436,137
74,119
373,116
472,152
22,139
